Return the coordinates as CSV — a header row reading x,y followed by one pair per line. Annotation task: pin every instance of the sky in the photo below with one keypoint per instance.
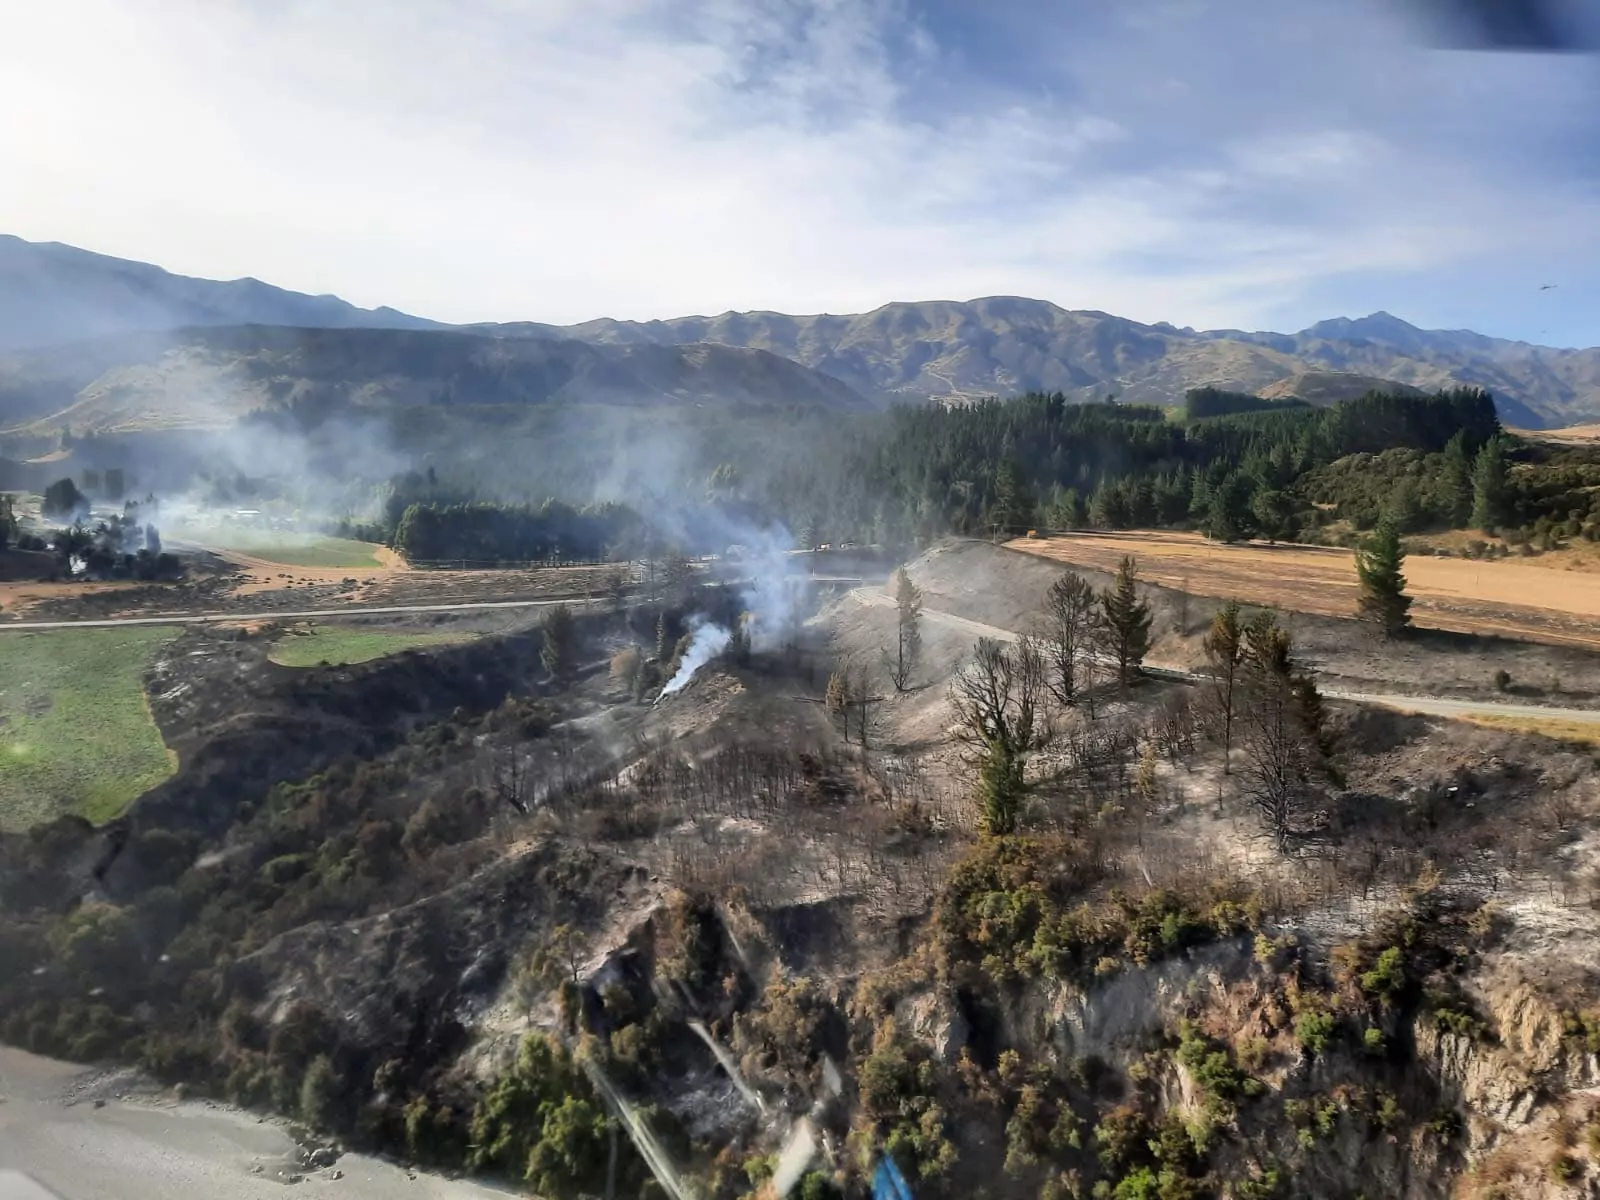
x,y
1257,164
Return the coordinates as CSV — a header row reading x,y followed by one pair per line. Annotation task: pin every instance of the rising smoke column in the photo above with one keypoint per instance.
x,y
769,596
706,640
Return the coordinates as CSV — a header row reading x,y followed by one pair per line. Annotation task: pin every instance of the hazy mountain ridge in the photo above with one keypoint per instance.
x,y
207,378
1001,345
907,352
52,293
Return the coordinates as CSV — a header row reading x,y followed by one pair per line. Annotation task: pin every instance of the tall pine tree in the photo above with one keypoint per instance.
x,y
1456,482
1490,493
1383,600
1126,620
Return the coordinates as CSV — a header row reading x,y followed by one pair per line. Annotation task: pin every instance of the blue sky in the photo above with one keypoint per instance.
x,y
1233,163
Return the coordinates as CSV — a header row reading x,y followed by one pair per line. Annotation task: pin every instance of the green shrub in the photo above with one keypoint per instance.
x,y
1120,1136
1212,1069
1313,1119
817,1185
1266,1186
1582,1028
1142,1184
1564,1168
1314,1028
1447,1125
1387,976
1460,1022
319,1094
923,1143
1372,1040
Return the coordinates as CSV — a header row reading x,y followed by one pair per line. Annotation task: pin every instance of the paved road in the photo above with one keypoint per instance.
x,y
1430,705
278,614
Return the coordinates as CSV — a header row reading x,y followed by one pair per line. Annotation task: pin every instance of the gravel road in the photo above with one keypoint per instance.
x,y
1430,705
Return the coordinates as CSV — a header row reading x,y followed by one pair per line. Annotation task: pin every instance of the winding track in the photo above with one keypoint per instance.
x,y
1428,705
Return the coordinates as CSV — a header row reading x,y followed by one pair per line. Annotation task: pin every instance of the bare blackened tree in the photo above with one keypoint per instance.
x,y
999,697
1224,646
1072,616
850,698
508,777
908,633
1280,731
837,699
559,654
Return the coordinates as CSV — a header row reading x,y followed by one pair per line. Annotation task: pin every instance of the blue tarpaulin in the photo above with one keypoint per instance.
x,y
888,1183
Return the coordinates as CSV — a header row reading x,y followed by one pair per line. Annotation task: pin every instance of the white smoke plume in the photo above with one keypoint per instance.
x,y
706,641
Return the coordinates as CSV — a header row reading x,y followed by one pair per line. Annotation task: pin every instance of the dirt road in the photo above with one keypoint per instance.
x,y
1428,705
1506,597
321,614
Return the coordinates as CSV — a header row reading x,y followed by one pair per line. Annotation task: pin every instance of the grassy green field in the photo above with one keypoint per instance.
x,y
292,550
339,647
75,732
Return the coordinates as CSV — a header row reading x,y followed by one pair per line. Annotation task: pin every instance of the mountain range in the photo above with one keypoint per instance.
x,y
102,343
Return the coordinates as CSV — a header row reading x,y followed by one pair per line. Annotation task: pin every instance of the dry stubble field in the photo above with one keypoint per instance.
x,y
1516,599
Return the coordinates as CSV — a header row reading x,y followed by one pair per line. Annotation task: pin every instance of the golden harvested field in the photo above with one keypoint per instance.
x,y
1518,599
1570,435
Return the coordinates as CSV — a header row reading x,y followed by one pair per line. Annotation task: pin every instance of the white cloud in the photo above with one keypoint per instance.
x,y
562,159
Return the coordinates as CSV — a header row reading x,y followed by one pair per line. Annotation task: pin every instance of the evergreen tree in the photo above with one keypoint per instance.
x,y
1013,500
1490,493
63,499
1066,510
1383,600
1227,513
1404,508
1455,483
1109,507
1126,620
559,654
1273,510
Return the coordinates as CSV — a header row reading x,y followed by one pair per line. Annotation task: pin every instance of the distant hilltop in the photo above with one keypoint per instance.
x,y
51,294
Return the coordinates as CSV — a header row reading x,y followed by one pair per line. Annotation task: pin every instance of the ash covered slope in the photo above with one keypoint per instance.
x,y
1136,990
206,378
52,293
1001,345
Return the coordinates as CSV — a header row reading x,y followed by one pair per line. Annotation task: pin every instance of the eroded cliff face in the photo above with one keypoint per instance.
x,y
1281,1066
